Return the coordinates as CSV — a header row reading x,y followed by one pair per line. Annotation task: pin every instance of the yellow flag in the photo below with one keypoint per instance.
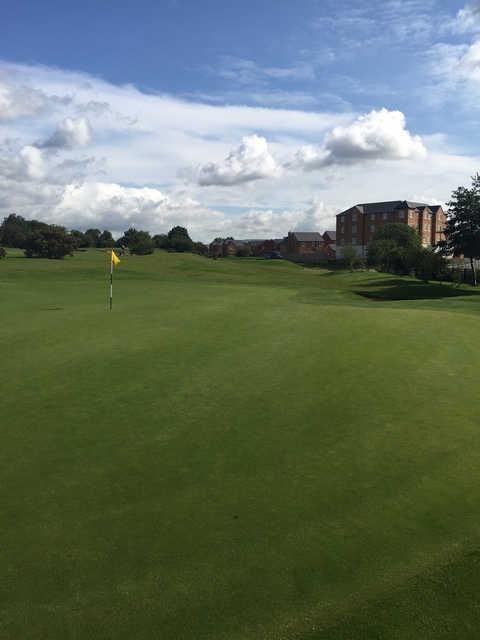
x,y
115,259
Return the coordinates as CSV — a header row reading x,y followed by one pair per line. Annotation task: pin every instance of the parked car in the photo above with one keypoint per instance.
x,y
272,255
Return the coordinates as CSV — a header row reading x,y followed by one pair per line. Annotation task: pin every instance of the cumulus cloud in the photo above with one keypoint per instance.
x,y
318,215
378,135
59,184
270,223
250,161
27,164
117,207
33,162
70,133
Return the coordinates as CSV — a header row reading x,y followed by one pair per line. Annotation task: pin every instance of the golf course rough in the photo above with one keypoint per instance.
x,y
242,449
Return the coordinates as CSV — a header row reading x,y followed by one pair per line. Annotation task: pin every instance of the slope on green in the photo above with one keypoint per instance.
x,y
242,449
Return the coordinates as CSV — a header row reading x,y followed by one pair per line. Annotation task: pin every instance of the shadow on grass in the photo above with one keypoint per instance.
x,y
401,289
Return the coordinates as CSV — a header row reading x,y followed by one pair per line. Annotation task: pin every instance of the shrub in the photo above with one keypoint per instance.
x,y
52,242
161,241
3,253
200,248
430,265
179,240
143,247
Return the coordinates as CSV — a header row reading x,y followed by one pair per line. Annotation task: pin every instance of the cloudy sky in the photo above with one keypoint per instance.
x,y
247,119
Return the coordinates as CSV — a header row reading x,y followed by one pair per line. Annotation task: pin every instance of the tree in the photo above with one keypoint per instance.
x,y
105,239
430,265
143,247
139,242
350,257
15,229
200,248
161,241
92,236
394,248
179,240
51,242
81,240
462,230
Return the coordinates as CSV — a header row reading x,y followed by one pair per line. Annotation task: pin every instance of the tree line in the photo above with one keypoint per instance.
x,y
41,240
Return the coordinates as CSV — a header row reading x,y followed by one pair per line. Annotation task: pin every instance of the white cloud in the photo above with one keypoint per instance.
x,y
142,140
117,208
33,162
248,72
269,223
250,161
70,133
378,135
467,19
455,73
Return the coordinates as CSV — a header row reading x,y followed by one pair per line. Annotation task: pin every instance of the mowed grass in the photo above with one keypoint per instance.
x,y
242,449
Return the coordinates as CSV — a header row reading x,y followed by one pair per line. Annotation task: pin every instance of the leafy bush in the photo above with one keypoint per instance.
x,y
143,247
3,253
200,248
430,265
14,230
395,248
179,240
161,241
52,242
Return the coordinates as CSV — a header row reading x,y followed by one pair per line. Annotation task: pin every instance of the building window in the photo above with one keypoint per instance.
x,y
372,216
354,217
401,215
372,228
354,240
354,228
342,229
384,216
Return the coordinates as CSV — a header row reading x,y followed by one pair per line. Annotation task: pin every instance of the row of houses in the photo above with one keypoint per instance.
x,y
295,244
355,227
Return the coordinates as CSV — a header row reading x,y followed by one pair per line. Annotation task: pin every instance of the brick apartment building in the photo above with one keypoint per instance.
x,y
357,225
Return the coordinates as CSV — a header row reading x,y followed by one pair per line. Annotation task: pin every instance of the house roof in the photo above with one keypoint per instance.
x,y
307,236
255,241
331,234
392,205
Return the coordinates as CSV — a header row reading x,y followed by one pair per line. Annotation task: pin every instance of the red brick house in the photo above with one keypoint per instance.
x,y
223,247
329,237
302,242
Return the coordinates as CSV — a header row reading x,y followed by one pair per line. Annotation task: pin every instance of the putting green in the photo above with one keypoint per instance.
x,y
241,449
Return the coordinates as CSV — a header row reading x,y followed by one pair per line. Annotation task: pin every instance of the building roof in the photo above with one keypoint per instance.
x,y
392,205
331,234
306,236
257,241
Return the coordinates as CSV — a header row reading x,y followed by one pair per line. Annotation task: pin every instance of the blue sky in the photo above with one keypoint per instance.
x,y
233,117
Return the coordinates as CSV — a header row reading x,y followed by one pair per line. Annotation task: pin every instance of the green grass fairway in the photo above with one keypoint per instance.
x,y
241,450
